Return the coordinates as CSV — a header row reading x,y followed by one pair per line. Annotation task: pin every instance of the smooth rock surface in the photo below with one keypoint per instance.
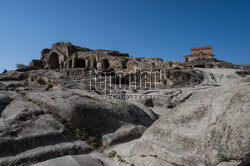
x,y
212,123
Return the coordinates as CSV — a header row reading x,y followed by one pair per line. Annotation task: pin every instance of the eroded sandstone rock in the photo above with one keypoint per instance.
x,y
210,125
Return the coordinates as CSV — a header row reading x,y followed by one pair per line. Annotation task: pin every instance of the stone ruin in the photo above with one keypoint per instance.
x,y
67,56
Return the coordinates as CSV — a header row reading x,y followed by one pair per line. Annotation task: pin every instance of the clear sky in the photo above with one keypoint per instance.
x,y
150,28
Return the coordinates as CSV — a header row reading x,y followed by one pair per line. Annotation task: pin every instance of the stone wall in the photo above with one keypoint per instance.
x,y
203,51
197,57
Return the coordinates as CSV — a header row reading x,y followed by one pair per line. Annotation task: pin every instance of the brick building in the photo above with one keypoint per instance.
x,y
200,53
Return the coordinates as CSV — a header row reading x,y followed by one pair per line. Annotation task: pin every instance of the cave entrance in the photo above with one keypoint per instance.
x,y
54,61
94,64
105,63
80,63
70,63
124,64
200,66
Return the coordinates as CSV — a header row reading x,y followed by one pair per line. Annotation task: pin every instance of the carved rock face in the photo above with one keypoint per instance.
x,y
67,56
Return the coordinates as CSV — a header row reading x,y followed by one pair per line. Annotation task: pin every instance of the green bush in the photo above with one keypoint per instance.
x,y
224,158
112,154
21,66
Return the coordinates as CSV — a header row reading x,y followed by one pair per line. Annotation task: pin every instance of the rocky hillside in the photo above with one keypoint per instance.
x,y
50,114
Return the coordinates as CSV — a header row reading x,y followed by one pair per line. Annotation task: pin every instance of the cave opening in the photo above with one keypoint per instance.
x,y
105,63
80,63
54,61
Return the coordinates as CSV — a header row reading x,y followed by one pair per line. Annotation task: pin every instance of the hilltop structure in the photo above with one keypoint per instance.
x,y
75,60
200,53
67,56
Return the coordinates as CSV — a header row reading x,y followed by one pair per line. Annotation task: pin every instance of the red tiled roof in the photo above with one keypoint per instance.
x,y
200,48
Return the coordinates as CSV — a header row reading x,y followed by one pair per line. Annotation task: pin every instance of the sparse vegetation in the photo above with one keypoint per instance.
x,y
96,144
80,134
83,134
120,159
21,66
112,154
224,158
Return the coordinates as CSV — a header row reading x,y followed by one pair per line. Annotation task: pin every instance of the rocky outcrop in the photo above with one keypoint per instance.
x,y
31,135
82,111
182,78
209,127
51,115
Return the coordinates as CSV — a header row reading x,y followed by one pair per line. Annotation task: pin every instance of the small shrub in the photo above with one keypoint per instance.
x,y
223,158
21,66
96,144
112,154
122,160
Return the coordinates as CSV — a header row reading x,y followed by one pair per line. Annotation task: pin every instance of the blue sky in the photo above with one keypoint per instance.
x,y
150,28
